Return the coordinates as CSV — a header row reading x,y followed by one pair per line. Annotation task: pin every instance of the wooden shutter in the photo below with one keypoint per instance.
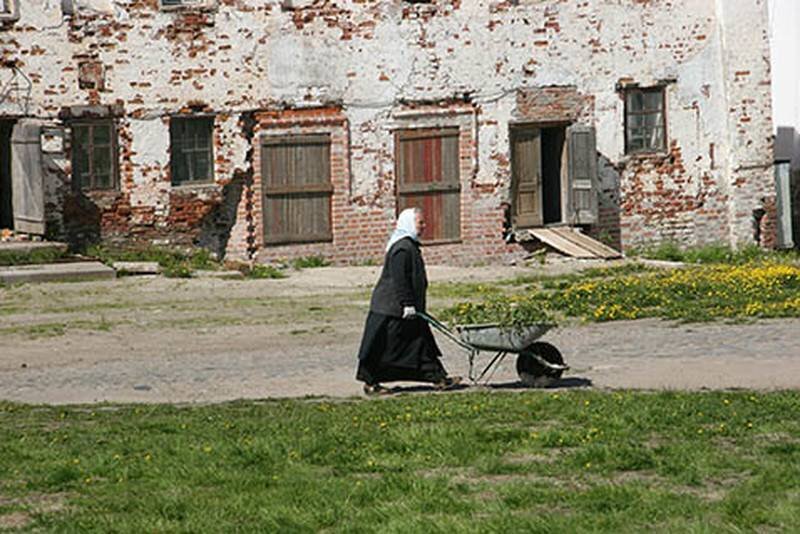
x,y
428,177
526,181
27,178
583,181
297,189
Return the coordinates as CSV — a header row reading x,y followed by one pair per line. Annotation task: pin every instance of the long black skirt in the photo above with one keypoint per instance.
x,y
394,349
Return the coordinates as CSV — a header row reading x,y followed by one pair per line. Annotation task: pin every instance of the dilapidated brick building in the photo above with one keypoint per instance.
x,y
278,128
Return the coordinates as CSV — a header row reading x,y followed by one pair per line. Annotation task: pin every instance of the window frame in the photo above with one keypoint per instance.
x,y
287,192
9,10
442,187
204,5
627,93
77,181
173,155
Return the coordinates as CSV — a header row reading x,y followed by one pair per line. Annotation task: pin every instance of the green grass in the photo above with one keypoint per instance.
x,y
714,253
310,262
58,328
174,262
757,289
34,256
479,462
259,271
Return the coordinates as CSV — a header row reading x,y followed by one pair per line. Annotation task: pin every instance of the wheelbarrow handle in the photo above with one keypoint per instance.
x,y
441,327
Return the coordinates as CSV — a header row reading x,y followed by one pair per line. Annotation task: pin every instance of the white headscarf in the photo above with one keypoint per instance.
x,y
406,227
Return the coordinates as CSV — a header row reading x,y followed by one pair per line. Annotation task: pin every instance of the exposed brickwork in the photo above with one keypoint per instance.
x,y
362,70
553,104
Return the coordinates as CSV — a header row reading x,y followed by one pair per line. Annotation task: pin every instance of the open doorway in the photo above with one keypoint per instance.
x,y
538,181
6,207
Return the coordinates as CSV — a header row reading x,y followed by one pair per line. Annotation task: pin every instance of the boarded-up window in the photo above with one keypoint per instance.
x,y
94,161
191,153
295,171
428,177
645,121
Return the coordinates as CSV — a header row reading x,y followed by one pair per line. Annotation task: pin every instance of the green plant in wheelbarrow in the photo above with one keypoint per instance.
x,y
510,325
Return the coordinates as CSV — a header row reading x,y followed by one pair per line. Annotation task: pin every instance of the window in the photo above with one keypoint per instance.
x,y
9,10
191,153
427,163
296,177
645,123
94,161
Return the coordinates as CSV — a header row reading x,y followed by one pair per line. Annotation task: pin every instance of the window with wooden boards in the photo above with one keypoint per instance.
x,y
94,155
296,178
427,165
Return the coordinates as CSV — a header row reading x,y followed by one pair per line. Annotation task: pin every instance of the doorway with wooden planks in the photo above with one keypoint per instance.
x,y
554,186
553,175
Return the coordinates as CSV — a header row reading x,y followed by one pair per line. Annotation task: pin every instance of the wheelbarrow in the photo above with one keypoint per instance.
x,y
539,364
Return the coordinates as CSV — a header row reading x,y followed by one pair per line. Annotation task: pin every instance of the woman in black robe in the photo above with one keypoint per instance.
x,y
397,343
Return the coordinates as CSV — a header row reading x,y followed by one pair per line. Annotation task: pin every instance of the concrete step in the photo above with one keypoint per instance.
x,y
137,267
56,272
27,247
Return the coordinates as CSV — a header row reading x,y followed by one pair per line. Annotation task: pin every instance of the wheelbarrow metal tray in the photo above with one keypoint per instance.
x,y
495,337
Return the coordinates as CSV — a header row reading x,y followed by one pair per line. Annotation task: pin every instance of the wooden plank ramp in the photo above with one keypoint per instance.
x,y
571,242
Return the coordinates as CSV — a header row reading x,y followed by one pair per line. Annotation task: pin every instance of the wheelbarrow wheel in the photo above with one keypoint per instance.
x,y
534,374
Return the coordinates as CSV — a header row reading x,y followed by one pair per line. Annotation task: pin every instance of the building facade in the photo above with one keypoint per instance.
x,y
268,129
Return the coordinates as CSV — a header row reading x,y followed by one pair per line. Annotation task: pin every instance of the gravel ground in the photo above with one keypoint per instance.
x,y
210,340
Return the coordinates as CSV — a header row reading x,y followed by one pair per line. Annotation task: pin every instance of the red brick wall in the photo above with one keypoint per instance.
x,y
360,230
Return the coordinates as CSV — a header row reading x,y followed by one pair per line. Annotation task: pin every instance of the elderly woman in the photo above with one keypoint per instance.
x,y
397,343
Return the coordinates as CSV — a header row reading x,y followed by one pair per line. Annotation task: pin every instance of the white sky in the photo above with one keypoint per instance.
x,y
785,43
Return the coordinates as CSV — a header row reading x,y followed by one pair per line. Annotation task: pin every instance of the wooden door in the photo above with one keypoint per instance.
x,y
27,179
583,179
526,178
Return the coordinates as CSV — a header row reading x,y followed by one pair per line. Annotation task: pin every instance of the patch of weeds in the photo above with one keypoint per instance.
x,y
178,270
57,329
36,331
513,312
174,262
34,256
310,262
716,253
633,291
260,271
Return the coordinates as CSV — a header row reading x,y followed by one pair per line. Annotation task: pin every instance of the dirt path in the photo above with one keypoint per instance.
x,y
160,340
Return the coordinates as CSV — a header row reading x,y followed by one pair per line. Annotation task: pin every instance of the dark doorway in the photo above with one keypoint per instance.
x,y
537,155
552,152
6,208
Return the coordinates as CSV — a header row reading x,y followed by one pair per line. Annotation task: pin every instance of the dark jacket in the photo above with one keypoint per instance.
x,y
403,281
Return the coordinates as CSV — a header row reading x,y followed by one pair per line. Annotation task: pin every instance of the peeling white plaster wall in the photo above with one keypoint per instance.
x,y
369,56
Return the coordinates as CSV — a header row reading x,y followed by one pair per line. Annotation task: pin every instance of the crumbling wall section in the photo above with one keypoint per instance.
x,y
243,61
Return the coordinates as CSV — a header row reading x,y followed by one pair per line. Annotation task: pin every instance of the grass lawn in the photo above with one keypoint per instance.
x,y
755,289
536,461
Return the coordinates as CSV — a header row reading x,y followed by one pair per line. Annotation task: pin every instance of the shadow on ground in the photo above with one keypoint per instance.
x,y
572,382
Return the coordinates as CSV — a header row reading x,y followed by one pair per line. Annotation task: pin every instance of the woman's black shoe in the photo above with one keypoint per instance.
x,y
447,383
375,390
